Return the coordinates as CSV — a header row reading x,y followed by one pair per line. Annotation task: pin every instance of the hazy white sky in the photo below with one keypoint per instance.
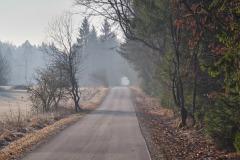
x,y
22,20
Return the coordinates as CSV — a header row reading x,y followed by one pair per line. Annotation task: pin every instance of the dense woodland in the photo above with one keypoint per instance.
x,y
187,54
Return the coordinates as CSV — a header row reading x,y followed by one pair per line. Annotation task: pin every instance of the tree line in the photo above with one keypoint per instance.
x,y
190,57
20,62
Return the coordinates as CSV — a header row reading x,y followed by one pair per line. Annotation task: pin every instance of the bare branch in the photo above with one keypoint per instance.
x,y
120,11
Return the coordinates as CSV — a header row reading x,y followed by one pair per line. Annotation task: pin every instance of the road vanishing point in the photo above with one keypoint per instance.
x,y
111,132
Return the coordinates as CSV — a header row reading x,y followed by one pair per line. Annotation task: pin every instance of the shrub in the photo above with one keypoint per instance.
x,y
48,91
202,108
221,122
237,142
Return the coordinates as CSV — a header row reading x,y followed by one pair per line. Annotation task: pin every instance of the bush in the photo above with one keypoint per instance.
x,y
202,108
48,91
221,122
237,142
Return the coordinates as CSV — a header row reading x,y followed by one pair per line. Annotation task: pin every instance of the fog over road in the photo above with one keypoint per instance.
x,y
110,132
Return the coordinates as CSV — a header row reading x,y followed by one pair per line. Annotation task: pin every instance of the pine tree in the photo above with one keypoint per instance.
x,y
4,69
84,32
93,34
106,30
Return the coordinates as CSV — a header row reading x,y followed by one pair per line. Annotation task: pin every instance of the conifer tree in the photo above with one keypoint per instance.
x,y
93,34
84,31
106,30
4,69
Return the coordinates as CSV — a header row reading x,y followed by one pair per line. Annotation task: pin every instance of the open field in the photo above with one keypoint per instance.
x,y
15,101
12,100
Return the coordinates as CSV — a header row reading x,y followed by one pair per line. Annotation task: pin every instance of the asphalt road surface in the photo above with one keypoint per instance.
x,y
110,132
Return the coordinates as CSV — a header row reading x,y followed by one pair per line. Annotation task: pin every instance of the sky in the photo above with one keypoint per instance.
x,y
22,20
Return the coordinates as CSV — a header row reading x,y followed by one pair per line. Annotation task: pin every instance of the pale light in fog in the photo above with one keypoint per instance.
x,y
124,81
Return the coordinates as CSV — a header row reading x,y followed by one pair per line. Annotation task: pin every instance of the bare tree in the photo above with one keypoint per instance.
x,y
65,54
4,69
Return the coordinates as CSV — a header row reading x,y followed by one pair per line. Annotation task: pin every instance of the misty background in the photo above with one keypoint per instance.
x,y
101,63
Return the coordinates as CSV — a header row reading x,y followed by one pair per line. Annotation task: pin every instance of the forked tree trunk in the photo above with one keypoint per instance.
x,y
178,94
179,99
76,98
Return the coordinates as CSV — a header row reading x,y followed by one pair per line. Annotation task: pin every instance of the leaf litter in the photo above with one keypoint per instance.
x,y
166,140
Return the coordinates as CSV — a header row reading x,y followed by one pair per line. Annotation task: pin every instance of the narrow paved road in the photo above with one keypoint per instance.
x,y
111,132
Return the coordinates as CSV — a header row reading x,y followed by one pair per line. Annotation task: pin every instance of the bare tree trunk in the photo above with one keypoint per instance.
x,y
179,97
76,98
75,91
178,93
195,82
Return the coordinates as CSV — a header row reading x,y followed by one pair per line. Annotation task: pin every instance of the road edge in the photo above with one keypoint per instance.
x,y
143,129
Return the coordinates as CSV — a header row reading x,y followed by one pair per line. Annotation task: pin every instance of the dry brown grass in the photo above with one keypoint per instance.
x,y
11,121
95,99
29,141
151,101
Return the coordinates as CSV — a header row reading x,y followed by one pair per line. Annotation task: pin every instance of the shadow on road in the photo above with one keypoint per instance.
x,y
109,112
